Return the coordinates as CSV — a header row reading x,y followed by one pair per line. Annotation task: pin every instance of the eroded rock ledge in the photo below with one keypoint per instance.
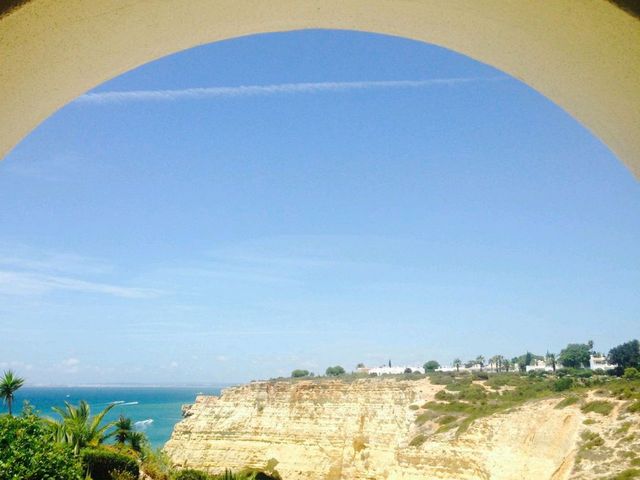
x,y
363,429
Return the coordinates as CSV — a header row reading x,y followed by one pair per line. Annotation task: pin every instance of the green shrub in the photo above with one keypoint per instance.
x,y
445,419
431,366
634,407
299,373
101,462
252,474
627,474
117,475
156,464
570,400
417,440
591,440
190,474
423,417
623,429
473,393
631,373
443,395
598,406
503,379
27,452
335,371
442,378
480,376
458,384
562,384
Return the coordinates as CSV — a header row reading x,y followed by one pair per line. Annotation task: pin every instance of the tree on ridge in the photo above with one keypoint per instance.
x,y
626,355
551,360
457,363
575,355
431,366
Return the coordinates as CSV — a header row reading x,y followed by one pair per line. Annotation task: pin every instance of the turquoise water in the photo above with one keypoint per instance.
x,y
156,409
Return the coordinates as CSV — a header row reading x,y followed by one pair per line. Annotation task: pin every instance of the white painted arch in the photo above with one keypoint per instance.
x,y
584,55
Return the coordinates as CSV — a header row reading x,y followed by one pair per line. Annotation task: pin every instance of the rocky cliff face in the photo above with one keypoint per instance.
x,y
366,429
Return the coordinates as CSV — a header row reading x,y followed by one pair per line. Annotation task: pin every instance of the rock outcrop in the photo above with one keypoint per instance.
x,y
367,429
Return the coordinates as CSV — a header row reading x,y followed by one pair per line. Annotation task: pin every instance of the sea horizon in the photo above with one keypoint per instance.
x,y
132,384
153,408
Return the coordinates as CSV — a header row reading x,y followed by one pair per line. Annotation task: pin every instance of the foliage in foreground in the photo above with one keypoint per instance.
x,y
101,463
78,428
248,474
73,448
27,452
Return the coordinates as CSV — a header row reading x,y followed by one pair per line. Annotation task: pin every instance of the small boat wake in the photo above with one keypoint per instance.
x,y
143,424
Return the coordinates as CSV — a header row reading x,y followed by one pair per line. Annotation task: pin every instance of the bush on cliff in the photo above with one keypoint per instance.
x,y
335,371
598,406
299,373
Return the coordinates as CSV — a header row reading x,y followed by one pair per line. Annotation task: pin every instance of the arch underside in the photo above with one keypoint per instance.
x,y
584,56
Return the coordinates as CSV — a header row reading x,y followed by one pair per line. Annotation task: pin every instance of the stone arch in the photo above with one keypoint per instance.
x,y
584,56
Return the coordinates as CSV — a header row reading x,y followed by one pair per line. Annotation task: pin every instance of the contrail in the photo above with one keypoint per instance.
x,y
266,90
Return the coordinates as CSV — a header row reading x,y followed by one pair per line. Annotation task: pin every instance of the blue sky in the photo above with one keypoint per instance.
x,y
372,198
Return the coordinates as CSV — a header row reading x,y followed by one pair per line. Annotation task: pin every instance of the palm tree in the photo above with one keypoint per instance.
x,y
78,428
136,441
501,361
551,360
480,361
507,364
9,384
123,429
496,361
456,363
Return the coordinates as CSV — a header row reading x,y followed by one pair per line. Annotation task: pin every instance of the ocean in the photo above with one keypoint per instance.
x,y
154,409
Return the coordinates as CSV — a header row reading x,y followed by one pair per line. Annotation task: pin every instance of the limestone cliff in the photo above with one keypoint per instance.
x,y
366,429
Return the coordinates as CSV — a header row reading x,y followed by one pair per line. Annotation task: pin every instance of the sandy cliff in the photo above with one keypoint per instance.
x,y
366,429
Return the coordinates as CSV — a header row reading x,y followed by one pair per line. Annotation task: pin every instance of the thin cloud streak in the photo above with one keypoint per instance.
x,y
268,90
24,283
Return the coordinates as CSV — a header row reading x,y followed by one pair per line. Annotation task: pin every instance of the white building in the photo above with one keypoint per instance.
x,y
539,366
600,363
471,368
386,370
